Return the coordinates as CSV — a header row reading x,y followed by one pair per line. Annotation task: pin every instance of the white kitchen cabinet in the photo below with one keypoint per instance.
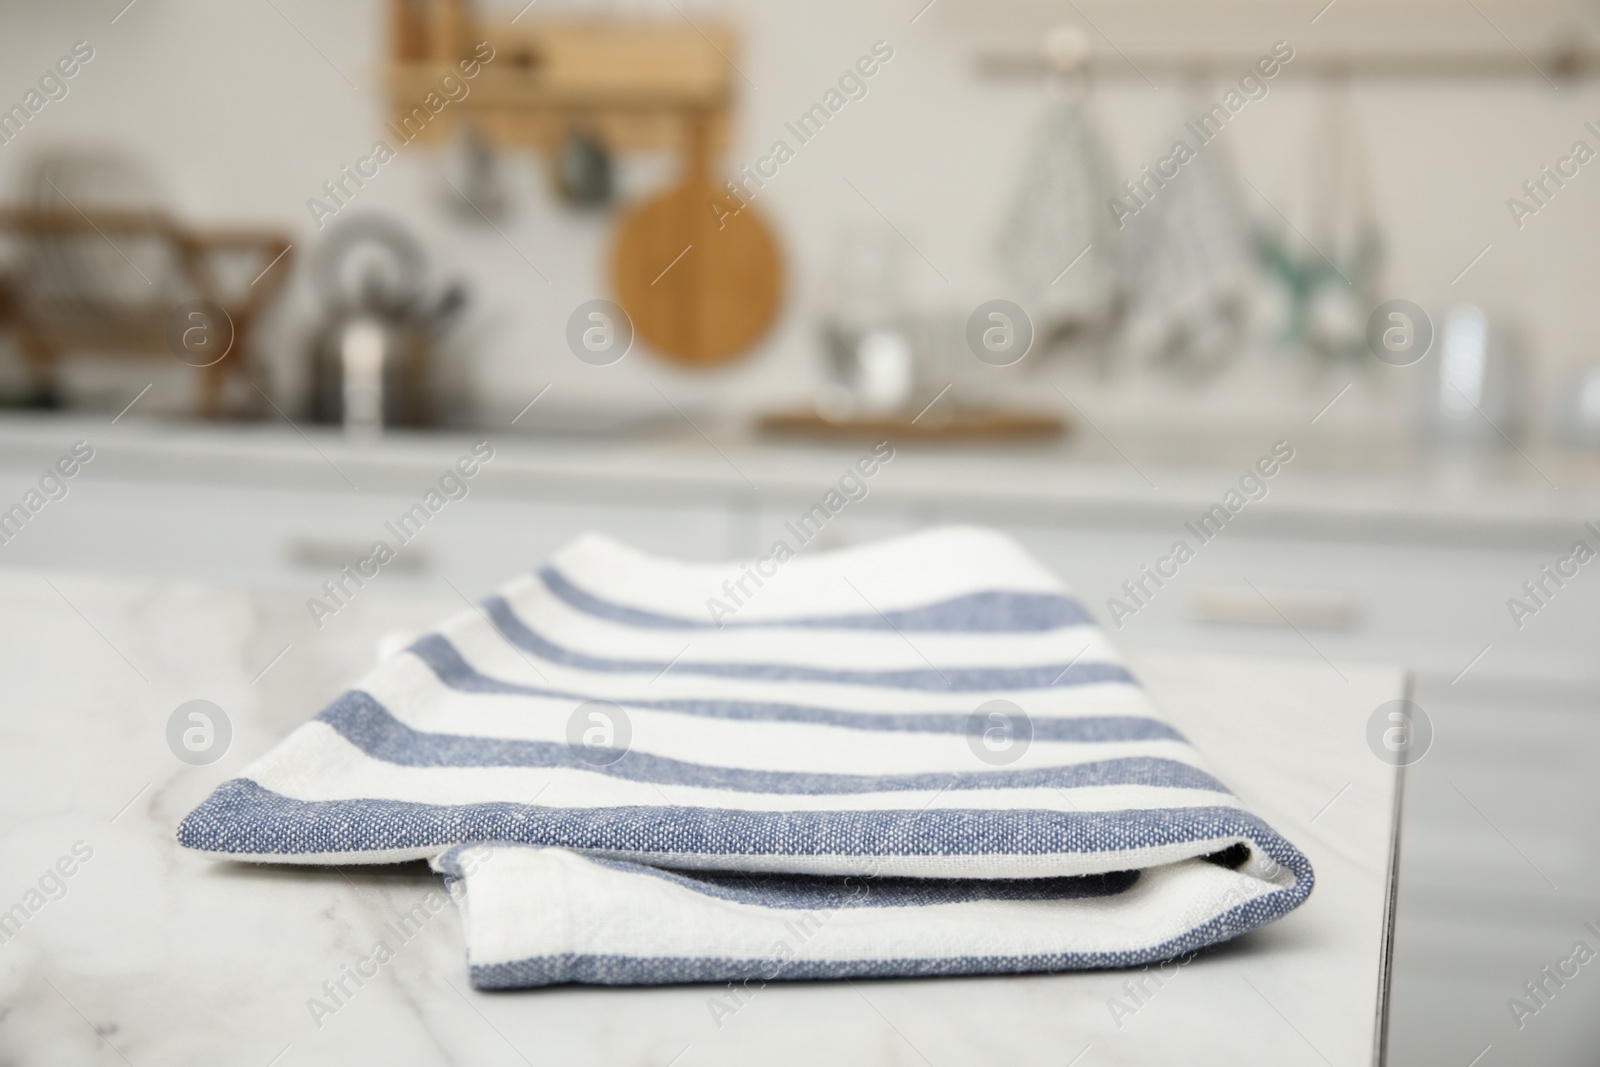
x,y
294,539
1432,607
1381,573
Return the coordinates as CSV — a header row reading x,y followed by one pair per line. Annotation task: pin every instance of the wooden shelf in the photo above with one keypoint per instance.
x,y
635,84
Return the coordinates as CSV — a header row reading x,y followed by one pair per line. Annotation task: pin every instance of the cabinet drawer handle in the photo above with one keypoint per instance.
x,y
323,554
1243,605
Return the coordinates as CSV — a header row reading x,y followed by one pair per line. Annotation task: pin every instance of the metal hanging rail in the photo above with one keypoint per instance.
x,y
1566,63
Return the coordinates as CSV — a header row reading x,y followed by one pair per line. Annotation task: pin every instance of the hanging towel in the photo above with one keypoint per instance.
x,y
915,757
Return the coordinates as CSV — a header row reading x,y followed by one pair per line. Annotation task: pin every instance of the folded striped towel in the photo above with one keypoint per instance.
x,y
917,757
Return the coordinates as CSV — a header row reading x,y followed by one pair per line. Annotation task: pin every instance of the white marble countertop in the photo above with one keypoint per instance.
x,y
148,955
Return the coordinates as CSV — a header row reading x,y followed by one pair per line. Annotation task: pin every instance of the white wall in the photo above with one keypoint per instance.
x,y
244,120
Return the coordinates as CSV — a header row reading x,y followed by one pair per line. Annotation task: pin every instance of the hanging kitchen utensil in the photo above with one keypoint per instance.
x,y
475,188
1346,225
1329,284
1190,273
583,169
1058,218
697,271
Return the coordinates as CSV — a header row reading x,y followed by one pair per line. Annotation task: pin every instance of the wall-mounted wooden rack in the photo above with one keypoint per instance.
x,y
635,84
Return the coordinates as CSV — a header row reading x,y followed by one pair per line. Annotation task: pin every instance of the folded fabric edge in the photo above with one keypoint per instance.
x,y
578,969
603,968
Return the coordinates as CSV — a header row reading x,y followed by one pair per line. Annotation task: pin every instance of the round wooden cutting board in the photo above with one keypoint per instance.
x,y
699,276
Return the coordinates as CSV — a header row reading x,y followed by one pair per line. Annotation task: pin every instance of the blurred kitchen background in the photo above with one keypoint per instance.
x,y
1381,249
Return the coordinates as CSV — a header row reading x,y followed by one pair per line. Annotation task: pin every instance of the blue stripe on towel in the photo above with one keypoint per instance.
x,y
957,679
368,725
991,612
246,818
453,670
